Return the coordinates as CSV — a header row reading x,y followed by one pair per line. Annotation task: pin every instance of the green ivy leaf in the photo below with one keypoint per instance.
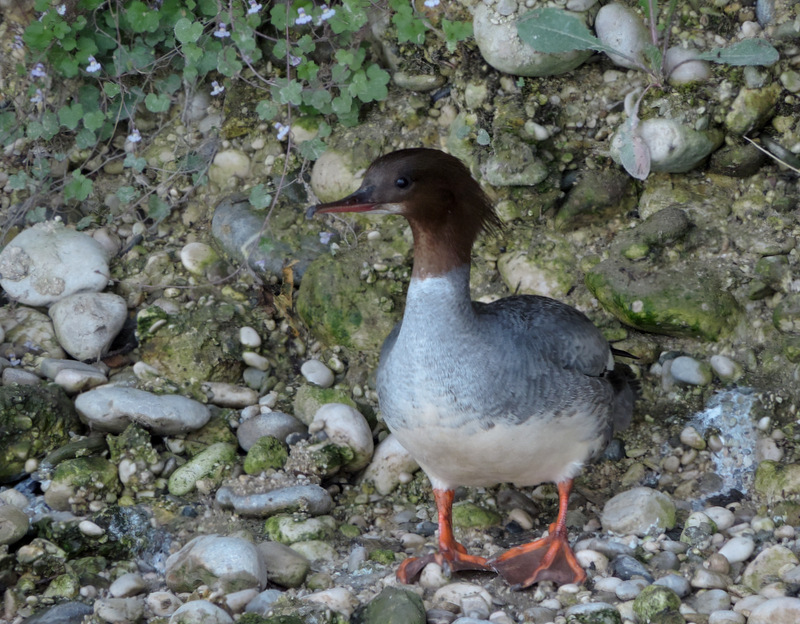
x,y
187,31
70,116
141,17
267,110
37,37
278,16
291,93
409,26
312,149
79,188
350,17
306,44
170,84
127,194
308,71
259,198
50,125
340,74
94,121
369,85
85,139
18,181
133,162
111,89
228,63
157,208
319,99
455,32
192,53
157,103
342,104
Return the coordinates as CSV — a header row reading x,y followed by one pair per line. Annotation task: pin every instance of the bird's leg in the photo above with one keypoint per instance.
x,y
452,556
546,559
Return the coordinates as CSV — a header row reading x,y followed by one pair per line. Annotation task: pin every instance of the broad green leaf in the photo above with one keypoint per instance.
x,y
187,31
50,125
141,17
228,63
127,194
312,149
70,116
342,104
36,36
259,198
78,188
555,31
747,52
455,32
133,162
85,139
267,110
94,121
157,208
111,89
17,181
157,103
192,52
291,93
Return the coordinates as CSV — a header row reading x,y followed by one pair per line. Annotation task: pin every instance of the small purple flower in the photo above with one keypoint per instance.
x,y
325,237
134,136
38,98
283,131
217,88
62,9
254,7
326,13
431,3
94,66
303,17
294,61
38,71
222,31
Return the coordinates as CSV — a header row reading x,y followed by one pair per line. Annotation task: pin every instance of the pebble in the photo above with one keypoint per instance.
x,y
726,617
783,610
162,603
90,529
237,601
200,612
13,524
687,370
592,560
682,67
456,593
64,613
20,377
127,585
230,395
623,30
275,424
248,337
317,373
345,426
712,600
338,599
119,610
197,257
691,438
262,603
706,579
285,567
725,368
638,511
389,462
722,517
676,583
113,408
226,564
312,499
51,367
628,590
227,165
87,323
627,567
75,381
49,261
206,463
251,358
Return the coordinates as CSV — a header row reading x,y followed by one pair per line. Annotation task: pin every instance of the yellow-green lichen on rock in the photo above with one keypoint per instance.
x,y
77,482
777,481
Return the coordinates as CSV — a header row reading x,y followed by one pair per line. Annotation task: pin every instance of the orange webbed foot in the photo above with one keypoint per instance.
x,y
450,561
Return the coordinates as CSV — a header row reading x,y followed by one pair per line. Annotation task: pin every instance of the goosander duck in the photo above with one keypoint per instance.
x,y
520,390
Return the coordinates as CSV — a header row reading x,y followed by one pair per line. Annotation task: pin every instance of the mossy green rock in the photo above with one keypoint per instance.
x,y
596,195
340,308
654,601
767,566
34,420
687,302
209,464
752,108
393,606
777,481
196,345
310,398
469,515
268,452
77,482
287,529
786,316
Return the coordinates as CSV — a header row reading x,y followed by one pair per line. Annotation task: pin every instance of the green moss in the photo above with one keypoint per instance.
x,y
654,601
287,529
209,464
470,515
382,555
267,452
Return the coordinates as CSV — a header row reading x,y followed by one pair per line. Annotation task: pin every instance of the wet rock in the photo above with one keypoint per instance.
x,y
777,481
227,564
786,316
49,261
317,373
113,408
311,499
394,606
207,464
309,399
196,344
33,422
725,368
198,257
87,323
64,613
739,161
707,579
620,28
229,164
342,309
119,610
513,163
752,108
535,271
640,511
162,603
200,612
285,567
276,424
767,566
627,567
674,146
783,610
29,331
654,602
628,590
287,529
77,482
345,426
687,302
676,583
597,195
687,370
262,604
229,395
238,229
391,464
266,453
13,524
502,48
691,438
129,584
75,381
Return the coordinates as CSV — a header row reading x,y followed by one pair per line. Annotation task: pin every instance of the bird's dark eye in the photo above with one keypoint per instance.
x,y
402,183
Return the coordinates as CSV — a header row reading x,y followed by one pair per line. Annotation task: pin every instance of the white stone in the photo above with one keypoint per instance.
x,y
197,257
87,323
687,370
74,381
455,593
333,176
87,527
345,426
129,584
200,612
338,599
722,517
389,461
230,395
620,28
227,165
592,559
432,577
639,511
248,337
682,67
776,611
163,603
726,617
256,360
113,408
317,373
725,368
237,601
48,262
119,610
768,449
691,438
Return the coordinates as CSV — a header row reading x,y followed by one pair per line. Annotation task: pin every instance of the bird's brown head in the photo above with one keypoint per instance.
x,y
445,206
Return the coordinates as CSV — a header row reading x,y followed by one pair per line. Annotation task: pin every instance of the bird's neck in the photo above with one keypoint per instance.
x,y
440,249
439,303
